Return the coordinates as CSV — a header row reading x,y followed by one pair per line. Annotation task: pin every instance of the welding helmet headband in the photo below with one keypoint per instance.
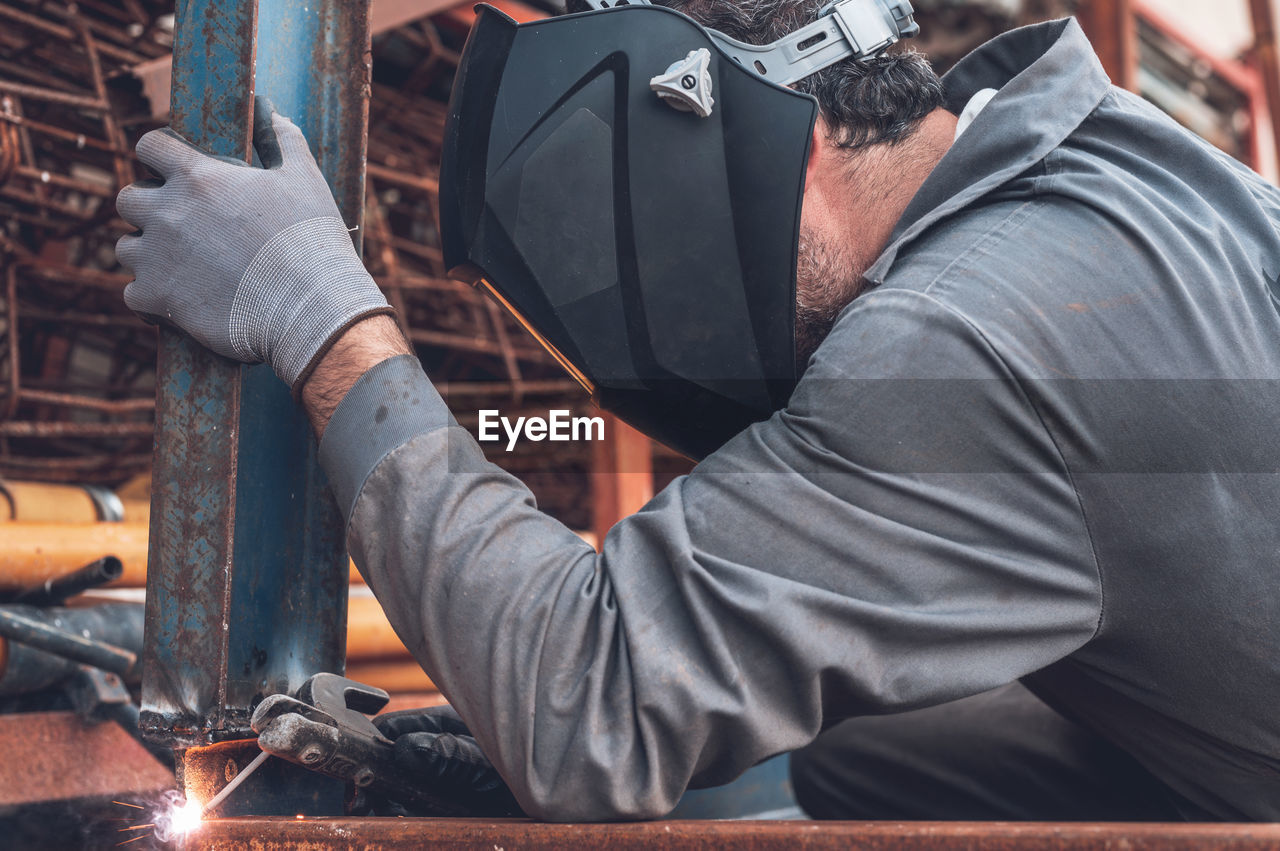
x,y
650,249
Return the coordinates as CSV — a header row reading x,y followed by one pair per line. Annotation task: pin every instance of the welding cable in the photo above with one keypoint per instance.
x,y
235,782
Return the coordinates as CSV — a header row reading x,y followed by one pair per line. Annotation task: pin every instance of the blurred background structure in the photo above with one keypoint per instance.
x,y
80,82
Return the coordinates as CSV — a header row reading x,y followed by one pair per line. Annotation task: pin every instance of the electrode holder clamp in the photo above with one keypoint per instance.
x,y
325,727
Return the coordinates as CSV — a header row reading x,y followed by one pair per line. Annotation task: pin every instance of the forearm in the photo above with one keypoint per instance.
x,y
363,346
524,627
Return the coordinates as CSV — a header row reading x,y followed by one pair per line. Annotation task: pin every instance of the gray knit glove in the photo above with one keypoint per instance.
x,y
254,263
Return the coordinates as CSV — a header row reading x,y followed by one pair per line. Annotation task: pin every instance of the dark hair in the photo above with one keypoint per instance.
x,y
882,100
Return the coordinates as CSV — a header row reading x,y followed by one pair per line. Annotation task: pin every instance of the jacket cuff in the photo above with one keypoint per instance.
x,y
390,404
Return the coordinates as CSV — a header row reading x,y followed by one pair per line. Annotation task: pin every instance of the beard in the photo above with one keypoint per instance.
x,y
828,278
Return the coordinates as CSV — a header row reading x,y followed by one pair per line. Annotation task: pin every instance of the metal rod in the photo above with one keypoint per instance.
x,y
42,636
71,400
41,428
11,305
52,96
391,834
55,590
235,782
80,140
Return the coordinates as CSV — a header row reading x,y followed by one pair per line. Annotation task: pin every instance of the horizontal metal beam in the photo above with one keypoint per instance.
x,y
276,834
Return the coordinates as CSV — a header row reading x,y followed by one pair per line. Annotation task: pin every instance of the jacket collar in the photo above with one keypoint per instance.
x,y
1049,81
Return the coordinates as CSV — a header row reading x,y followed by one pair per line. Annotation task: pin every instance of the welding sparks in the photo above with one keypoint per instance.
x,y
187,817
178,817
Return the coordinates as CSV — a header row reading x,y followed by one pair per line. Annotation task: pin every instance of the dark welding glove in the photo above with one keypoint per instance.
x,y
435,745
254,263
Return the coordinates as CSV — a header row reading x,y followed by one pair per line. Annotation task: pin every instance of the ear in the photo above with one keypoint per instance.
x,y
817,151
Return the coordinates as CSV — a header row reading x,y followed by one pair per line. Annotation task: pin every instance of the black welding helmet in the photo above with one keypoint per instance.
x,y
628,183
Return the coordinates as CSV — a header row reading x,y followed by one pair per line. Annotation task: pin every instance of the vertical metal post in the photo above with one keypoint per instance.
x,y
247,573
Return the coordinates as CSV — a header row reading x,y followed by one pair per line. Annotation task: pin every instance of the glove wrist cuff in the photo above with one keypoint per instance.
x,y
301,290
318,354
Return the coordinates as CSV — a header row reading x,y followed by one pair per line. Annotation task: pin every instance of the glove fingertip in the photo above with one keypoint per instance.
x,y
164,151
134,303
124,255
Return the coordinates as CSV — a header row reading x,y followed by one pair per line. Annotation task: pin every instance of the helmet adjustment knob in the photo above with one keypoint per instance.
x,y
686,84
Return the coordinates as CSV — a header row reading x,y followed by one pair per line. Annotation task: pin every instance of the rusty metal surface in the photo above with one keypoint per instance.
x,y
446,834
247,586
47,754
197,418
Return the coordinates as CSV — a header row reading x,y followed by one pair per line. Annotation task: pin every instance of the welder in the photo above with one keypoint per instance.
x,y
980,373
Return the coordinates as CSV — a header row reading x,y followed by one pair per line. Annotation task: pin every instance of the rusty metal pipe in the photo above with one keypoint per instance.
x,y
52,96
247,589
445,834
38,628
29,428
71,400
59,589
25,669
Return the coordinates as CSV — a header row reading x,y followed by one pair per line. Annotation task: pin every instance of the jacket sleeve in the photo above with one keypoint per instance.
x,y
904,533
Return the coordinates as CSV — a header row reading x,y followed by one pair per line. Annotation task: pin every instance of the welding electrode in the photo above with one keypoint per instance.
x,y
235,782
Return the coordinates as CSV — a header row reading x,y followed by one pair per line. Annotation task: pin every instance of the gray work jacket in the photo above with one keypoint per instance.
x,y
1044,446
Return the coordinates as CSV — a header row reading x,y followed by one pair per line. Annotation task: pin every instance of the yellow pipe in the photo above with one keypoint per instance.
x,y
30,553
369,634
37,502
392,676
137,510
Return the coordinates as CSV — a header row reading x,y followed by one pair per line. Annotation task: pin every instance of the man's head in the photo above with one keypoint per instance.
x,y
868,110
652,248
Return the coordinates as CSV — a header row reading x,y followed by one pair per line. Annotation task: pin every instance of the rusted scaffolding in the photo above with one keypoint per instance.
x,y
77,88
77,401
